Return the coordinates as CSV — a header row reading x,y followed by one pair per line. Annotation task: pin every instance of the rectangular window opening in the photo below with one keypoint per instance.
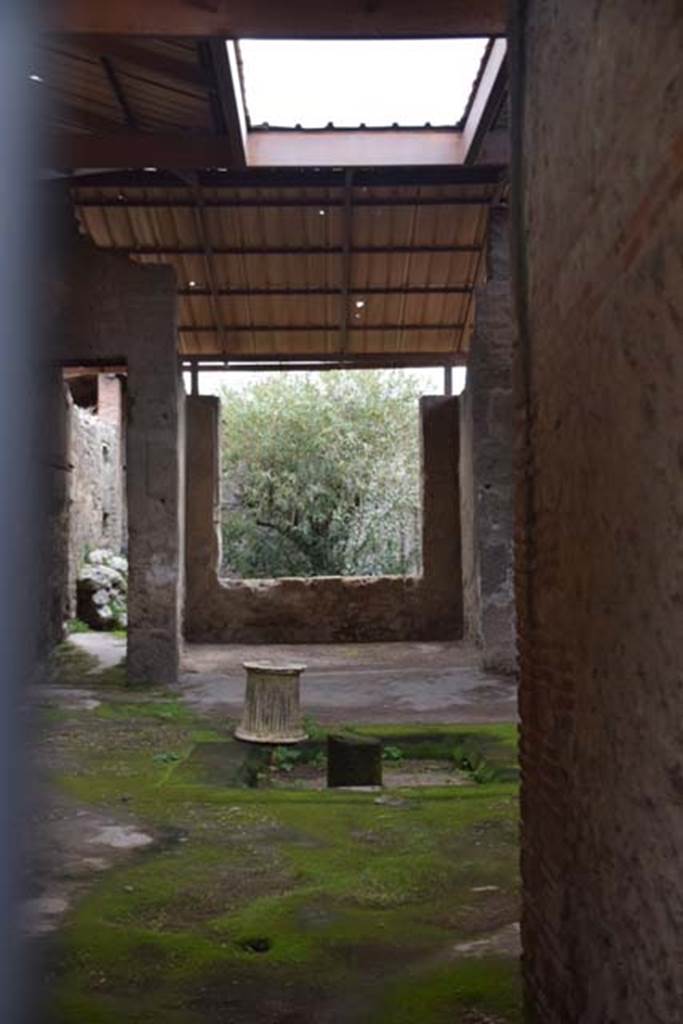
x,y
355,84
321,472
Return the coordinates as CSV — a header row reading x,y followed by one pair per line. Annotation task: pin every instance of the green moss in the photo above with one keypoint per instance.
x,y
449,995
249,893
69,664
166,710
77,626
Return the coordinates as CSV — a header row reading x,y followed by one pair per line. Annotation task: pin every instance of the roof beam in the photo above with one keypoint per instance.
x,y
208,260
290,177
486,102
303,203
119,94
309,250
220,59
354,147
303,19
191,151
347,230
349,362
201,292
313,328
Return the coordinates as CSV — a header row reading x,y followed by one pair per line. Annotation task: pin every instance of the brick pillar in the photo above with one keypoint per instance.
x,y
203,511
487,441
439,426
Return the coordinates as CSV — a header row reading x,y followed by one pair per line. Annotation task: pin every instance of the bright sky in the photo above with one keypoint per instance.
x,y
352,82
210,383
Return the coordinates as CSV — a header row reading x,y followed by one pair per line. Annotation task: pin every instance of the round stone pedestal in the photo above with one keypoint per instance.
x,y
272,711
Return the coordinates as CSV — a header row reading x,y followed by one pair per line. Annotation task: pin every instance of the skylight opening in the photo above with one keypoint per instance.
x,y
403,83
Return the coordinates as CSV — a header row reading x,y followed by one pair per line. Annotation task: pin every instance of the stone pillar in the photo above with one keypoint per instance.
x,y
439,426
155,483
103,309
487,441
203,517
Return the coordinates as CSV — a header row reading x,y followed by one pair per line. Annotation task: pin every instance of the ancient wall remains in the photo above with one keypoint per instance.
x,y
108,310
486,458
598,115
325,609
95,482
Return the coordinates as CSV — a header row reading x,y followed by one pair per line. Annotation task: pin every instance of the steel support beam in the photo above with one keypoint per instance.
x,y
302,19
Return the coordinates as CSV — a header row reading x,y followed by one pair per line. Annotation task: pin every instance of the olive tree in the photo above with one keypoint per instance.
x,y
320,475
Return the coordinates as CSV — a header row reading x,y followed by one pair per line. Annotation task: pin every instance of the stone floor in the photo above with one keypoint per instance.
x,y
396,682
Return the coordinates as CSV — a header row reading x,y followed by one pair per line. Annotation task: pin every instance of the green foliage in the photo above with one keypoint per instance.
x,y
392,754
313,730
284,758
77,626
321,476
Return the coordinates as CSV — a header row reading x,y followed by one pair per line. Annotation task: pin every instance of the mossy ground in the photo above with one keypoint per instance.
x,y
277,906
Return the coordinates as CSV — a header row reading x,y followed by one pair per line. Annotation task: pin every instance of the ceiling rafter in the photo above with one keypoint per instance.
x,y
316,328
123,202
236,293
347,255
119,93
278,250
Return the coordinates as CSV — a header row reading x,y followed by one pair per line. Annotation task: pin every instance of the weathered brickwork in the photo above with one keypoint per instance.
x,y
325,609
599,222
110,310
486,458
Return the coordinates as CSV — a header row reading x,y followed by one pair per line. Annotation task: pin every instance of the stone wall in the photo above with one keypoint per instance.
x,y
598,114
108,310
325,609
54,608
486,458
95,479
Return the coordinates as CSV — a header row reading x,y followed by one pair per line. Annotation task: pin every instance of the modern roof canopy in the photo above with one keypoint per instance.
x,y
341,244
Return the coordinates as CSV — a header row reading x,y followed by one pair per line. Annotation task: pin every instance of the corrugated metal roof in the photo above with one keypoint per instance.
x,y
161,82
272,276
270,268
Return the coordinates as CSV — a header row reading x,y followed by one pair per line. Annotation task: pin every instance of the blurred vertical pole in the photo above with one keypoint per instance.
x,y
20,539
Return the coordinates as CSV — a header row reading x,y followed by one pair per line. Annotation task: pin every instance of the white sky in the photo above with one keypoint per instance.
x,y
431,380
352,82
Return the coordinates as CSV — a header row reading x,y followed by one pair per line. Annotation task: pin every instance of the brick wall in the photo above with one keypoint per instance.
x,y
597,118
